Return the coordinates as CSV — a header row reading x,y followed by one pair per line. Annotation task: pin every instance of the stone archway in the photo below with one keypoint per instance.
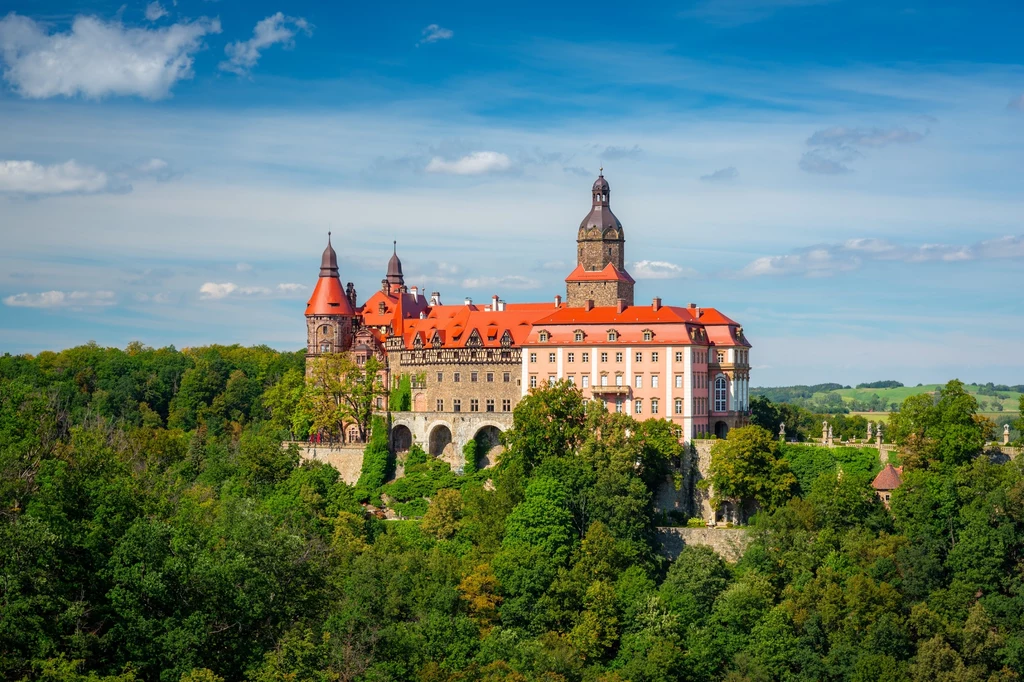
x,y
488,445
440,437
401,438
721,430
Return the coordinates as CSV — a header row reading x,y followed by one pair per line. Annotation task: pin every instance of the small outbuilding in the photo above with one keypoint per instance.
x,y
887,480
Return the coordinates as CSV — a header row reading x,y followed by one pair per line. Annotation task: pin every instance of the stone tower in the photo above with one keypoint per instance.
x,y
329,313
600,275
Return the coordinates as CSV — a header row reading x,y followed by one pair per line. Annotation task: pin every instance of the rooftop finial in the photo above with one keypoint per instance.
x,y
394,246
600,171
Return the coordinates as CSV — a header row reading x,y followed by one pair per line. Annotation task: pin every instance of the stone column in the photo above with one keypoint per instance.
x,y
1006,434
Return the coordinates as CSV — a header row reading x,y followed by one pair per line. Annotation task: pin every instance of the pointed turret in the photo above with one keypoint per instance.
x,y
329,312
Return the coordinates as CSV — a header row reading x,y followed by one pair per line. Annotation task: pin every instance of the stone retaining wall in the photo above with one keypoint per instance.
x,y
348,460
730,543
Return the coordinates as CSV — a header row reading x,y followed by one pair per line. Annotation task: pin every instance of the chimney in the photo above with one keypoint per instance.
x,y
589,304
501,306
423,314
469,301
656,304
415,293
620,305
494,303
435,298
558,300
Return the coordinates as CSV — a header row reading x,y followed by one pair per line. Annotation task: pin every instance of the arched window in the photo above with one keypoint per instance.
x,y
543,337
720,401
578,336
613,335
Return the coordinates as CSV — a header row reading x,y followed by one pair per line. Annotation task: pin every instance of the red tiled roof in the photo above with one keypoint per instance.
x,y
328,298
888,478
456,324
610,272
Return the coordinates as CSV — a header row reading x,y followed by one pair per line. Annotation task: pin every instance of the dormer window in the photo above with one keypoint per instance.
x,y
543,337
578,336
613,335
648,335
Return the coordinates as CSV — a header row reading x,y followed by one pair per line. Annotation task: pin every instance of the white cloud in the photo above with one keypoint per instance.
x,y
617,153
835,147
477,163
507,282
253,291
434,33
215,290
838,136
828,259
28,177
277,28
61,299
291,287
721,175
659,269
155,11
97,58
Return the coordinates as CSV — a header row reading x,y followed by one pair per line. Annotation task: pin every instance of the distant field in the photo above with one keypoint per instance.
x,y
1009,400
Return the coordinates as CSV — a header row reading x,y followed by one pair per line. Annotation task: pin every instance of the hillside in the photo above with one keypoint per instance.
x,y
992,399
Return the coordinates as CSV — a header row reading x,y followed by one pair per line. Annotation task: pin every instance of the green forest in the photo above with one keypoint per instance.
x,y
154,528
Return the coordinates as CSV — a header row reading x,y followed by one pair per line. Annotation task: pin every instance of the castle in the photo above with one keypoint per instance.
x,y
689,365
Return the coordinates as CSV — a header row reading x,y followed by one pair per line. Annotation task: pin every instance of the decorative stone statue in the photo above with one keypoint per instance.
x,y
830,434
782,431
878,434
1006,434
824,433
871,426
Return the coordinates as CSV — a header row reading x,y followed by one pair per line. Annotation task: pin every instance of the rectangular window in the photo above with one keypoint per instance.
x,y
618,357
473,377
604,357
586,357
586,381
618,379
551,380
638,381
506,377
506,405
604,379
572,379
679,405
721,357
572,357
654,406
533,381
456,377
638,406
474,405
654,356
639,357
490,377
654,381
533,357
679,356
440,377
440,405
457,405
679,381
490,404
618,405
551,357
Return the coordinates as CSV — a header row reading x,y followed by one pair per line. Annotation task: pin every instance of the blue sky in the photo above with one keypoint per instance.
x,y
844,178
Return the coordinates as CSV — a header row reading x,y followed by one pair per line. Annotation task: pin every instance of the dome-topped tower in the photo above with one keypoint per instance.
x,y
600,238
600,273
329,313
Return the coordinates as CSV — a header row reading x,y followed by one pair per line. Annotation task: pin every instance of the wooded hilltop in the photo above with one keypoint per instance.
x,y
152,527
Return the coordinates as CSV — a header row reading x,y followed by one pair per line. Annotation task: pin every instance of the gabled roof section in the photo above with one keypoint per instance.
x,y
609,273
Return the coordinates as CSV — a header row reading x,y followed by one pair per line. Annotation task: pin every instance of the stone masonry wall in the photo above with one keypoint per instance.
x,y
730,543
601,293
347,460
